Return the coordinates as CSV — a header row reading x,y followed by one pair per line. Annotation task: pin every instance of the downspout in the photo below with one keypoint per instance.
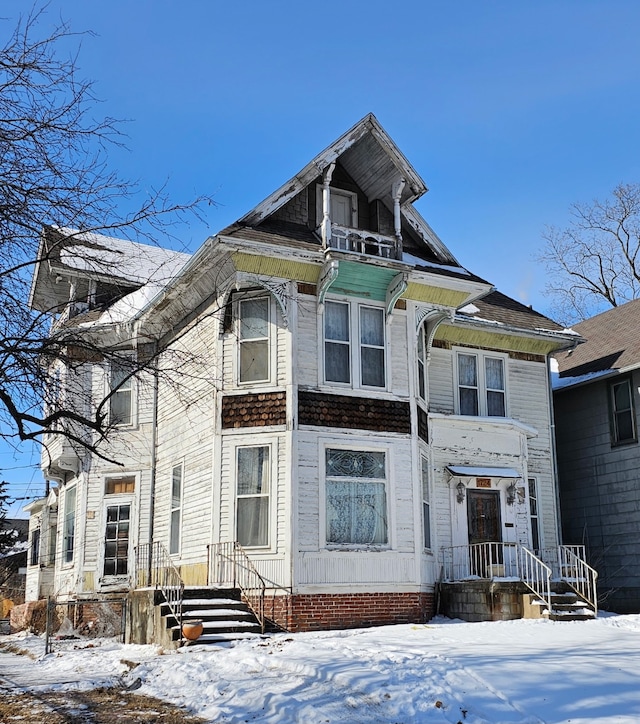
x,y
154,446
554,459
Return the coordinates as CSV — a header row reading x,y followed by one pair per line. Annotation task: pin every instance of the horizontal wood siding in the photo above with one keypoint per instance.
x,y
599,491
308,354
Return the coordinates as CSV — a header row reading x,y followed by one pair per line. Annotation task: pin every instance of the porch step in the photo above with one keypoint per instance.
x,y
567,606
224,616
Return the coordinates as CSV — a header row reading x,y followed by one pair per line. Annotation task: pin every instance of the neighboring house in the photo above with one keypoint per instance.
x,y
596,409
13,565
342,408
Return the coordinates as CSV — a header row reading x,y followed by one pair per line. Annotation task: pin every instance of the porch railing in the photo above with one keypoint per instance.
x,y
229,565
578,574
155,569
498,560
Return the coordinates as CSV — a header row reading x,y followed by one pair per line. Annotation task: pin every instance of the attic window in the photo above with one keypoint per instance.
x,y
343,207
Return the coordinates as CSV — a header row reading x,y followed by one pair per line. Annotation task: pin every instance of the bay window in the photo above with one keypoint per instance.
x,y
356,499
354,345
253,340
252,496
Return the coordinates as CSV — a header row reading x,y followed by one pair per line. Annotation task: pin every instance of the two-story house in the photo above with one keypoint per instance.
x,y
339,408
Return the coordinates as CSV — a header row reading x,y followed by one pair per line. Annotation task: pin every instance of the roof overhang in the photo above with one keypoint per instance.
x,y
472,471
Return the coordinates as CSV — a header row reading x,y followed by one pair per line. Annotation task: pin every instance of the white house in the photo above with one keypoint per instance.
x,y
339,407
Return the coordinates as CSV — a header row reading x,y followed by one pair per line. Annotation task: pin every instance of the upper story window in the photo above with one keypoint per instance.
x,y
354,345
69,525
422,364
481,384
254,353
623,418
121,400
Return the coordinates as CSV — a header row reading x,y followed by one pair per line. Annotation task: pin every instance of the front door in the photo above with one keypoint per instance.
x,y
483,512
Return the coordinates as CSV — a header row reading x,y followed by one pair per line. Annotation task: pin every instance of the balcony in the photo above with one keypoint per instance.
x,y
367,243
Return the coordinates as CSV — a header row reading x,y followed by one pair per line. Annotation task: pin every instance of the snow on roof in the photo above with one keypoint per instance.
x,y
126,308
472,471
417,261
130,260
559,383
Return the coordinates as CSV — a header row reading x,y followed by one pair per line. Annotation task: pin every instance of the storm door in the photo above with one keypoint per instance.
x,y
483,514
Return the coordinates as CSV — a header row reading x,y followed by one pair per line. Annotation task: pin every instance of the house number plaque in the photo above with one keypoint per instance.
x,y
483,482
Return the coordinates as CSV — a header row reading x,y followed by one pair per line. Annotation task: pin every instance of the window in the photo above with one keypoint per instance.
x,y
533,515
426,501
120,402
124,484
116,540
34,559
176,509
422,364
69,526
361,364
481,385
623,426
252,496
253,337
356,497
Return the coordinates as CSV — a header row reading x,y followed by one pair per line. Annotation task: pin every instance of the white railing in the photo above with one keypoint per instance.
x,y
229,565
359,241
578,574
502,561
155,569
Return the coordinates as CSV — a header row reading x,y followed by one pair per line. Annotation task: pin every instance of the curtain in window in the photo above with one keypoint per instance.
x,y
372,346
254,340
336,347
252,524
356,512
494,380
468,384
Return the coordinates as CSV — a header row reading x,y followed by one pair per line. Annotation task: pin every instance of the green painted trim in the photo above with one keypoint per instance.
x,y
436,295
494,340
276,267
363,280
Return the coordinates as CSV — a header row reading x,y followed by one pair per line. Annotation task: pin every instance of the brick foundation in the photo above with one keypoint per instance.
x,y
325,611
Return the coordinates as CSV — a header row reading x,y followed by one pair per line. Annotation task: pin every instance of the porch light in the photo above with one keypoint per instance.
x,y
461,491
511,493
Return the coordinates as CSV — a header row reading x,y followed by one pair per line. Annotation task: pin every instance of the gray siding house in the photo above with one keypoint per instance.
x,y
596,409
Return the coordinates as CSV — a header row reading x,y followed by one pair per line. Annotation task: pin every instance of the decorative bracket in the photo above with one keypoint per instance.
x,y
432,318
328,275
282,293
395,290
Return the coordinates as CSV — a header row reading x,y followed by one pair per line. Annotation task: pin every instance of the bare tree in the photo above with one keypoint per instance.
x,y
54,170
594,263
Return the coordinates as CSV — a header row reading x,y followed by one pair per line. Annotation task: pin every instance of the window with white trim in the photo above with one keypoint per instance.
x,y
354,345
121,400
481,384
252,495
69,525
426,501
356,497
422,364
176,509
623,418
254,348
533,514
116,539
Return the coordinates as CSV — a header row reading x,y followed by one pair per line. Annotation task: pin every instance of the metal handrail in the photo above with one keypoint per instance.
x,y
229,565
155,569
498,560
578,574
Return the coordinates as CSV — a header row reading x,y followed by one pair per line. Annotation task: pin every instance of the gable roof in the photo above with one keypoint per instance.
x,y
369,155
612,344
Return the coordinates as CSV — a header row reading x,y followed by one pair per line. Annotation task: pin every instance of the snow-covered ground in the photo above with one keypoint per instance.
x,y
523,672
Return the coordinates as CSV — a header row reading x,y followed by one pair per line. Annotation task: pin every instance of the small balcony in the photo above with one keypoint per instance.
x,y
367,243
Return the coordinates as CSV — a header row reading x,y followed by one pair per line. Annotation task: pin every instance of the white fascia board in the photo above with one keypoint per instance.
x,y
565,340
499,423
415,220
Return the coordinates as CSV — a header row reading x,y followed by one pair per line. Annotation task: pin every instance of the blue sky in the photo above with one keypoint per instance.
x,y
510,111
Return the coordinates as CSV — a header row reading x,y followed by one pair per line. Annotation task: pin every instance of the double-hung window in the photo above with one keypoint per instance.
x,y
354,345
534,515
426,501
176,509
356,498
253,340
252,496
69,525
481,384
121,400
623,423
422,364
